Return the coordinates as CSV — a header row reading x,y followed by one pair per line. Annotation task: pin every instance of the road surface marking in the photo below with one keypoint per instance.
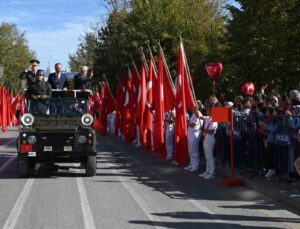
x,y
194,202
8,143
155,220
6,163
85,207
15,213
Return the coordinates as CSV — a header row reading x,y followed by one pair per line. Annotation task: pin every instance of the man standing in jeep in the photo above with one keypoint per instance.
x,y
29,75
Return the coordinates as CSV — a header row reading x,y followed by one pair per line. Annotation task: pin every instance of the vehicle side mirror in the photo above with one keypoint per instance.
x,y
18,114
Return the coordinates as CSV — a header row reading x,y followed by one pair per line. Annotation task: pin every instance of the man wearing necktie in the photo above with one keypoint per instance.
x,y
58,80
29,75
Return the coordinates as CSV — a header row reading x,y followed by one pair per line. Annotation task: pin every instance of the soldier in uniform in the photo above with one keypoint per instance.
x,y
40,89
29,75
39,92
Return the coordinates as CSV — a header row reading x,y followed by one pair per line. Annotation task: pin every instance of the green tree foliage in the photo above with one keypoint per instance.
x,y
263,45
85,53
131,23
14,53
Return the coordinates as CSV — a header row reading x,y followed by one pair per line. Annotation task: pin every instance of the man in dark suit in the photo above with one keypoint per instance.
x,y
82,81
29,75
58,80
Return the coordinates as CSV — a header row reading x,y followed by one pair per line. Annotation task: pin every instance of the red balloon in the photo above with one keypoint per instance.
x,y
214,70
248,89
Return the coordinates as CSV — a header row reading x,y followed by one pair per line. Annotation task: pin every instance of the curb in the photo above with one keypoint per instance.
x,y
291,198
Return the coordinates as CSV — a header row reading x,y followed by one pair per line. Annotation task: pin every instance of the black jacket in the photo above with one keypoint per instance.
x,y
82,82
39,88
61,84
30,76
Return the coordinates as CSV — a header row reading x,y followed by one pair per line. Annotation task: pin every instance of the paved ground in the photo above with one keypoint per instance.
x,y
131,190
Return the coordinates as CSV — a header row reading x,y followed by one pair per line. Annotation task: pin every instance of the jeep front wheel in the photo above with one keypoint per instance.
x,y
23,167
91,166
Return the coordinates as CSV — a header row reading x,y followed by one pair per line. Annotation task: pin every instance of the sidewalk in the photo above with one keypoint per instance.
x,y
275,188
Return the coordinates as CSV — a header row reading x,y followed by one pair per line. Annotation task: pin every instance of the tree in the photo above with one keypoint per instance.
x,y
14,53
263,44
85,53
131,23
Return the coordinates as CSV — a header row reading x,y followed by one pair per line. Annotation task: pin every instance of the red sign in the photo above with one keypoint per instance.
x,y
25,148
221,114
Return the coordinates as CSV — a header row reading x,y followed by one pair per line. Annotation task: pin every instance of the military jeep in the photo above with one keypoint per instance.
x,y
57,130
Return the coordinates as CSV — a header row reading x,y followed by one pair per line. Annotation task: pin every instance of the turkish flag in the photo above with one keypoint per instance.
x,y
135,92
4,106
183,70
127,124
181,147
111,103
169,90
1,98
13,109
102,119
118,108
141,98
148,115
159,136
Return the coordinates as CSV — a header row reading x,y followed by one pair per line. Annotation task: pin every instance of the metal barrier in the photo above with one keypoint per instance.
x,y
251,140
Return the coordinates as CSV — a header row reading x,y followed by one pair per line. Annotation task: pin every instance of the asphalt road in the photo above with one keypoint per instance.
x,y
131,190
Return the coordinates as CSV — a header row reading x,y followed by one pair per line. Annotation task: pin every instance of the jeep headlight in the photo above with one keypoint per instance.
x,y
31,139
27,119
87,119
82,139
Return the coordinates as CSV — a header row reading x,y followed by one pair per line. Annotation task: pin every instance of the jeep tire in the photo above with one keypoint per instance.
x,y
23,167
91,166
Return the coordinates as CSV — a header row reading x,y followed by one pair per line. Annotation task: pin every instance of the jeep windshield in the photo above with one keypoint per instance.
x,y
58,107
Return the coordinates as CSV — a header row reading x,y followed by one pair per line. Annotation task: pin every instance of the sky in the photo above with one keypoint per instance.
x,y
52,27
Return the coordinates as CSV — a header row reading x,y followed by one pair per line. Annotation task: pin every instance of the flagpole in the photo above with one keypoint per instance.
x,y
136,70
166,67
143,57
187,68
151,55
105,79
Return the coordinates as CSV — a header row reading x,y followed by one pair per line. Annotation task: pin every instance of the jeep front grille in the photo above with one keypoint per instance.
x,y
57,140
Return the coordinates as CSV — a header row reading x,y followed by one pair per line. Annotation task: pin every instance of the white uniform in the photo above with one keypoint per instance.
x,y
194,135
208,145
169,135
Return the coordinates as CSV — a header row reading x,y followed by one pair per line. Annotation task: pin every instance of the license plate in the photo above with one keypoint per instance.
x,y
67,148
47,148
31,154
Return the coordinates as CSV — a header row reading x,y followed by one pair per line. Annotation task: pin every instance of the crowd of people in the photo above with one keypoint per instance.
x,y
277,118
266,111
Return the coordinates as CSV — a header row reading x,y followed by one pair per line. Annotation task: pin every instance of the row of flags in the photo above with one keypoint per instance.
x,y
9,104
143,98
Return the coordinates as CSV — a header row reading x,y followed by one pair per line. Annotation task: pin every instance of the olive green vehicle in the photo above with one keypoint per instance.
x,y
57,130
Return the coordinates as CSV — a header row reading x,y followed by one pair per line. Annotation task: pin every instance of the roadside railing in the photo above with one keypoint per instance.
x,y
251,139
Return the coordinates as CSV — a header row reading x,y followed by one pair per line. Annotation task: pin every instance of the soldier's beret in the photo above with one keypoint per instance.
x,y
34,61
